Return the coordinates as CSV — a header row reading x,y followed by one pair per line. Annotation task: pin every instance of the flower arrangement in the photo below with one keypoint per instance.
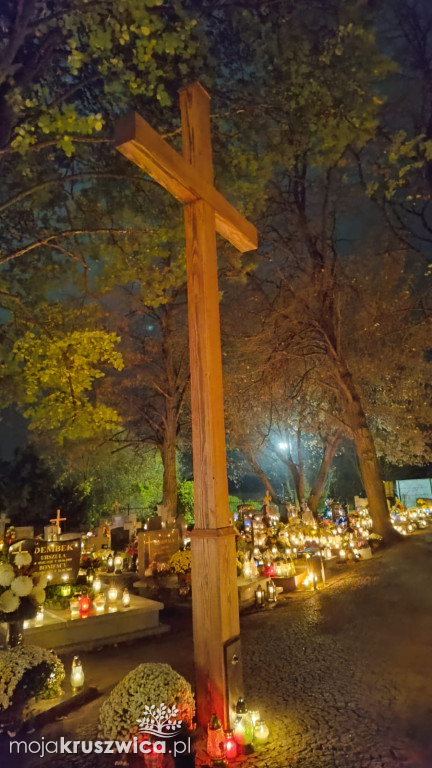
x,y
157,569
21,590
147,685
181,561
36,671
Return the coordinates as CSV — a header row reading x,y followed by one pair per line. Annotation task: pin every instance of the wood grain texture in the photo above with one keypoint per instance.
x,y
208,429
215,620
137,141
196,133
214,575
214,579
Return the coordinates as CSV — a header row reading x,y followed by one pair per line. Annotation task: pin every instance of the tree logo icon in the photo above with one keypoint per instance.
x,y
160,721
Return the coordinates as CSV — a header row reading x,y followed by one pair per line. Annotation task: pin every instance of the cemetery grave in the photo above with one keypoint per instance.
x,y
88,579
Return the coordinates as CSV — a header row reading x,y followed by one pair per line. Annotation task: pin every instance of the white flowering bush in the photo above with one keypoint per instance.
x,y
146,686
27,671
21,590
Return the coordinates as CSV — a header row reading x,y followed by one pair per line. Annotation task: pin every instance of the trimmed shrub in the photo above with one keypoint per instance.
x,y
146,686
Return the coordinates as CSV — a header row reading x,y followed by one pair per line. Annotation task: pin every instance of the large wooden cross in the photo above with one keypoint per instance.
x,y
206,211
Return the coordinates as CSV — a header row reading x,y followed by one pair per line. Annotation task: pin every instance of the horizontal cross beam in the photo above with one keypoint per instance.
x,y
137,140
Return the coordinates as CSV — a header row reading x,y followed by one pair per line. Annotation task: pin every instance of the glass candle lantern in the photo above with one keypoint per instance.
x,y
261,732
269,570
74,606
230,746
118,564
259,596
97,584
77,674
270,591
243,727
65,590
342,554
112,594
247,569
110,564
99,603
255,716
84,604
90,576
215,739
126,598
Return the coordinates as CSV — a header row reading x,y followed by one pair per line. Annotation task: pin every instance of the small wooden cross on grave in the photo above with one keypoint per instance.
x,y
267,499
57,520
214,581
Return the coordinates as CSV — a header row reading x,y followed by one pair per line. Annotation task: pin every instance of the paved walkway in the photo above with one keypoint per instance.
x,y
342,676
345,676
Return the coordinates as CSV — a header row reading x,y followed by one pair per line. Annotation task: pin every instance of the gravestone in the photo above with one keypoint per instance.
x,y
117,521
156,546
181,525
119,539
154,523
102,539
132,525
51,532
360,503
68,536
56,559
24,532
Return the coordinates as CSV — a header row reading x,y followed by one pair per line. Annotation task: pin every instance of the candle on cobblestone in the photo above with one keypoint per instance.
x,y
77,673
243,727
230,746
215,739
261,732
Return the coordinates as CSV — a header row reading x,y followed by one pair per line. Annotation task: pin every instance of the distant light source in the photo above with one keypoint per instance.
x,y
283,446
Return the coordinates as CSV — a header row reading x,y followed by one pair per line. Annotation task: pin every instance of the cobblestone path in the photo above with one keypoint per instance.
x,y
343,676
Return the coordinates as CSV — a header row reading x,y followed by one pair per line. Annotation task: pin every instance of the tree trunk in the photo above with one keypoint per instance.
x,y
320,480
369,466
168,453
260,473
297,475
372,480
300,469
172,407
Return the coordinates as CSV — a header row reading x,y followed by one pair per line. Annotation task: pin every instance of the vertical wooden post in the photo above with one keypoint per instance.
x,y
214,578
